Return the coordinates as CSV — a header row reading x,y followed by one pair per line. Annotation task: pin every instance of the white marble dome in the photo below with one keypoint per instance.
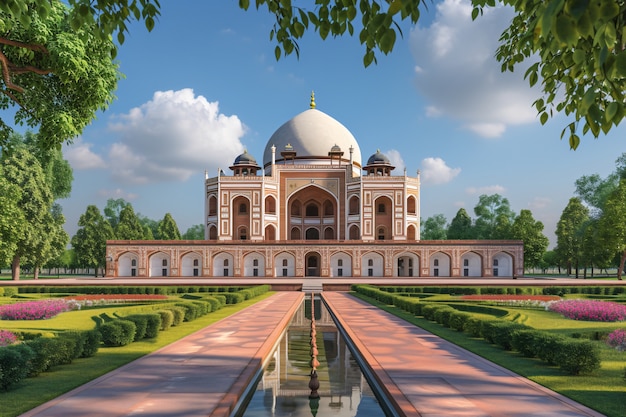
x,y
312,134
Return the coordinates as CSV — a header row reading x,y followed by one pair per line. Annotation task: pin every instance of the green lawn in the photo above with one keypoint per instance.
x,y
48,385
604,391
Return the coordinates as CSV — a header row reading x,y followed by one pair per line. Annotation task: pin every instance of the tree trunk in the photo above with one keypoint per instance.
x,y
36,272
15,268
621,266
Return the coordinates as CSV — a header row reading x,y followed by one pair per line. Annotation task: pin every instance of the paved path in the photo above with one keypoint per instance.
x,y
190,377
205,373
428,376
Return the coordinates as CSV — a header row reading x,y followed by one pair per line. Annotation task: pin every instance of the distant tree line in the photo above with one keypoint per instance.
x,y
591,232
120,222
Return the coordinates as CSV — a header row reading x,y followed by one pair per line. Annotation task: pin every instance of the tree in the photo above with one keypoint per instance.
x,y
594,190
577,45
150,227
113,209
168,230
461,226
128,227
568,233
23,170
493,217
58,172
434,228
612,225
529,230
54,244
195,232
54,75
11,218
89,242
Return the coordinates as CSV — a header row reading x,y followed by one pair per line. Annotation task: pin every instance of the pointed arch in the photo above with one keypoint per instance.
x,y
284,265
160,264
254,265
372,264
471,264
439,264
340,264
191,264
502,265
128,264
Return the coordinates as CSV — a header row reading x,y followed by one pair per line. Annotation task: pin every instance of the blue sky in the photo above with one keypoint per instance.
x,y
204,86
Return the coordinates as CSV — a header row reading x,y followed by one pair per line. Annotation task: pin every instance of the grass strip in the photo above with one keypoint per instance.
x,y
604,391
61,379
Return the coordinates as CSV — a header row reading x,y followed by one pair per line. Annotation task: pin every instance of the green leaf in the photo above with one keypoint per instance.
x,y
475,12
620,64
588,99
611,111
244,4
394,7
277,52
549,16
565,30
576,8
149,24
368,58
543,118
579,56
574,141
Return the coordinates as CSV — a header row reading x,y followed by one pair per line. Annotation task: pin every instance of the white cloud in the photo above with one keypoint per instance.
x,y
539,203
458,73
81,157
117,193
171,137
488,189
435,171
396,160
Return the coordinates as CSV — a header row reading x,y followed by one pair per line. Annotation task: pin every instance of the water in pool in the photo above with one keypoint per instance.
x,y
287,387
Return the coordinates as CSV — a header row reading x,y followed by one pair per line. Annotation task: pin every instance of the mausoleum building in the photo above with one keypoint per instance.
x,y
313,208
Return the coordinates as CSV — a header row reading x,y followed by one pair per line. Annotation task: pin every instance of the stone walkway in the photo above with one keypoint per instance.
x,y
206,373
200,375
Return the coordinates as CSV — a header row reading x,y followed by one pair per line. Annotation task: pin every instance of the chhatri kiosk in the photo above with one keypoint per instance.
x,y
313,209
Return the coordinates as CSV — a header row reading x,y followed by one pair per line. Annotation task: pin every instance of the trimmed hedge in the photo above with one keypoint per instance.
x,y
574,356
141,323
117,332
167,318
15,363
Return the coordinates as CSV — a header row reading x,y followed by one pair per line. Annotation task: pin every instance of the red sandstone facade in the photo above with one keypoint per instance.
x,y
313,210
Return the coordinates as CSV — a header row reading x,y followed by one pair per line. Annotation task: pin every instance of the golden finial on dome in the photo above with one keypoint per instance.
x,y
312,105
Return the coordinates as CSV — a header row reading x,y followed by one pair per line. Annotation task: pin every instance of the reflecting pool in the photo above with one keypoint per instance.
x,y
288,387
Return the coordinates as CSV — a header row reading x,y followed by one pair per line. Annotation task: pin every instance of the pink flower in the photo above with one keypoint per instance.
x,y
7,338
33,310
590,310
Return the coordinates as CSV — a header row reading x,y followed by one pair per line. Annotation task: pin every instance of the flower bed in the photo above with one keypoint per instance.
x,y
589,310
510,297
34,310
515,300
617,339
98,300
7,338
125,297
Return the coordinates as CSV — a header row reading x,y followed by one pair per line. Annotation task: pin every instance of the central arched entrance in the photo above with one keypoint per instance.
x,y
312,263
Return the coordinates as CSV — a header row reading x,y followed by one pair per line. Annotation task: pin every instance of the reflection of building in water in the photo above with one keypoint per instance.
x,y
313,208
283,388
